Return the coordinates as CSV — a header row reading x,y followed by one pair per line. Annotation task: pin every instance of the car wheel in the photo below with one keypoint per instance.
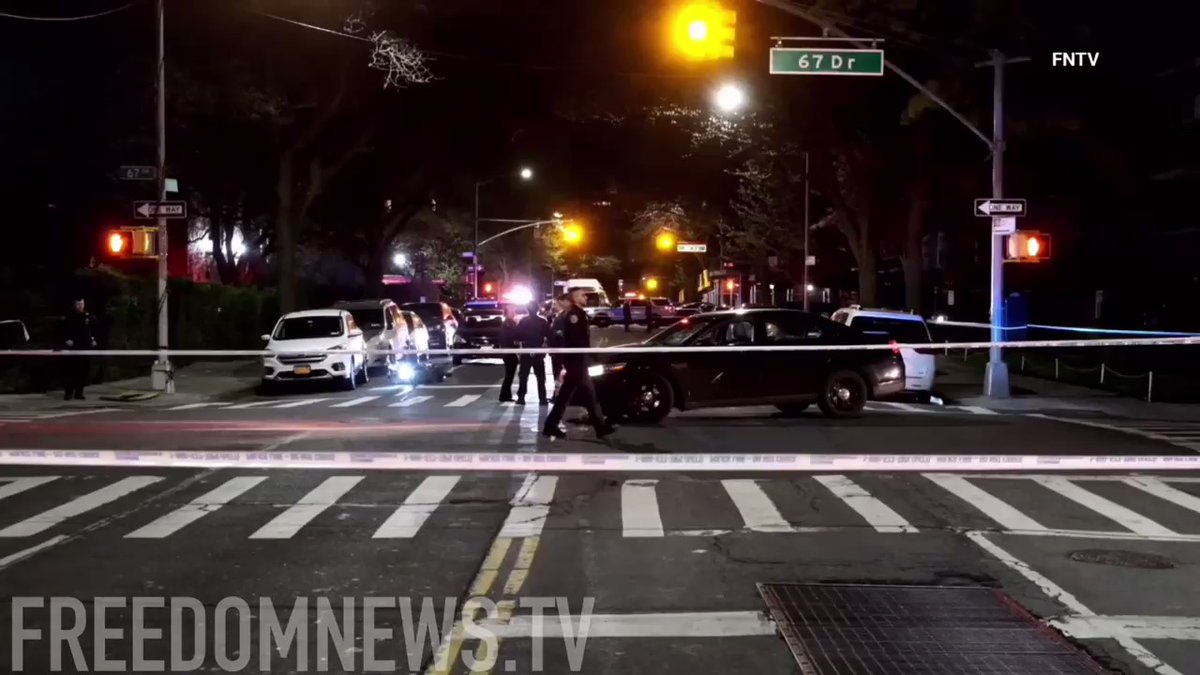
x,y
650,398
350,382
457,360
792,409
603,322
843,394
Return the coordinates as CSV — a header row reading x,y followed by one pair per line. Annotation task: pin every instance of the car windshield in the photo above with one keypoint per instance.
x,y
368,319
309,327
681,332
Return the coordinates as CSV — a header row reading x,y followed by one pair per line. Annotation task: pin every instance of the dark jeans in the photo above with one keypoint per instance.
x,y
537,362
576,383
510,371
77,371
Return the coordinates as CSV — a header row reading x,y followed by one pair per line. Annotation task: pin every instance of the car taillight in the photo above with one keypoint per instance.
x,y
895,348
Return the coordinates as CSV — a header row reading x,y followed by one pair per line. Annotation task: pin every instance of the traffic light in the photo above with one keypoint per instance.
x,y
704,31
1028,247
652,284
665,241
572,233
488,288
131,242
730,284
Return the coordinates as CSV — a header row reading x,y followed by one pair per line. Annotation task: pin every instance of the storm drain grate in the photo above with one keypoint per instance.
x,y
846,629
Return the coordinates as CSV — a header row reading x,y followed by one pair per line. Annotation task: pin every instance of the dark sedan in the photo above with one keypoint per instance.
x,y
645,387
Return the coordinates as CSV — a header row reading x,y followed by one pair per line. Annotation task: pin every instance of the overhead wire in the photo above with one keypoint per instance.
x,y
82,17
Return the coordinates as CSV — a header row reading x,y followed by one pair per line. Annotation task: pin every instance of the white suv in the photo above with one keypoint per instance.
x,y
300,340
384,329
920,365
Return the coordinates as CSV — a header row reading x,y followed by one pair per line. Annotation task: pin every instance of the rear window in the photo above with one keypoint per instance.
x,y
661,302
309,327
902,331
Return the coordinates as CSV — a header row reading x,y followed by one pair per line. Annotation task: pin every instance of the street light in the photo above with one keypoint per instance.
x,y
652,284
400,260
526,173
572,233
729,98
665,241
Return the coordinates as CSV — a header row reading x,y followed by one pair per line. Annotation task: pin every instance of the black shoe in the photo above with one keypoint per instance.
x,y
506,399
520,401
554,433
67,396
79,397
605,431
543,402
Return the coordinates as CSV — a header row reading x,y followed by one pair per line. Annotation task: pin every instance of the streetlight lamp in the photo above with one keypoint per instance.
x,y
400,260
526,174
729,98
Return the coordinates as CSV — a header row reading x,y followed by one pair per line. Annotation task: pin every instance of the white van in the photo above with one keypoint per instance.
x,y
920,365
595,299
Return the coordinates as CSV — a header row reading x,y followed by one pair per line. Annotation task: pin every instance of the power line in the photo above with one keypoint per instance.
x,y
84,17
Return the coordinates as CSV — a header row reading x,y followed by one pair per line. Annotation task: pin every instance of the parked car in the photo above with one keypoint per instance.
x,y
693,308
384,330
645,387
300,340
920,364
481,324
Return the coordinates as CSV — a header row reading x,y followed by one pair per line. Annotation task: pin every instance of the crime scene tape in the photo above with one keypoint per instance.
x,y
639,348
1065,329
589,462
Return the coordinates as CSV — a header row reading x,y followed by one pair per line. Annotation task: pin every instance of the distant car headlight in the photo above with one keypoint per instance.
x,y
405,372
601,369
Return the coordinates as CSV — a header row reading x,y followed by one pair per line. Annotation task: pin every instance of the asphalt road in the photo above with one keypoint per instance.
x,y
670,560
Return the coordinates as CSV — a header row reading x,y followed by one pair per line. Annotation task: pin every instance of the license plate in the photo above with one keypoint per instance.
x,y
302,370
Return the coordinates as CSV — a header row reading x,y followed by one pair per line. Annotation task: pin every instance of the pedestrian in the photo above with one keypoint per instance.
x,y
627,314
575,377
77,334
533,331
508,340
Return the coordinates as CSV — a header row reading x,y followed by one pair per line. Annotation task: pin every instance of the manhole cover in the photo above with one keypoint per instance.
x,y
1145,561
848,629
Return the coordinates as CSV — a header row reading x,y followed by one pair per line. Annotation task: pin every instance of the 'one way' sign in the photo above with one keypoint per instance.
x,y
986,208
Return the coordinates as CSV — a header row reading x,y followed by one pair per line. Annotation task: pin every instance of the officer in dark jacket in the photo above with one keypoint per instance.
x,y
561,303
508,340
77,334
576,379
533,331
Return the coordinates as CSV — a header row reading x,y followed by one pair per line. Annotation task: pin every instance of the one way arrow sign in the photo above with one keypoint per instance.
x,y
148,210
986,208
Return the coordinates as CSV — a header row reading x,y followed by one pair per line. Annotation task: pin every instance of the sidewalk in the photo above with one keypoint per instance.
x,y
961,384
195,383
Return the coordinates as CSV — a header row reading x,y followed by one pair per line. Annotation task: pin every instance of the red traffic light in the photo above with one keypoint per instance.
x,y
1028,246
488,288
120,242
729,285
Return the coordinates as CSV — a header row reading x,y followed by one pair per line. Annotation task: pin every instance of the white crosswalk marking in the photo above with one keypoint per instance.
x,y
977,410
876,513
992,507
410,401
1161,490
325,495
197,406
252,404
197,508
464,401
78,506
530,507
1124,517
907,408
639,509
15,486
756,508
300,404
406,521
354,401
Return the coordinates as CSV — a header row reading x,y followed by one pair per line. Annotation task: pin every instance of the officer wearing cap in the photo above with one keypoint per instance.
x,y
576,381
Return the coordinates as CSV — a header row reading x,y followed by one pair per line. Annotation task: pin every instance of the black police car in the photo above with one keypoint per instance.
x,y
645,386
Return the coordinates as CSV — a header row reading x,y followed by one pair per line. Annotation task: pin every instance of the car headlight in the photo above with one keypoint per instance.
x,y
604,368
406,372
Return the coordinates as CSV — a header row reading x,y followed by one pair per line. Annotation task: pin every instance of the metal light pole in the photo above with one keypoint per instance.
x,y
161,378
475,249
996,376
807,193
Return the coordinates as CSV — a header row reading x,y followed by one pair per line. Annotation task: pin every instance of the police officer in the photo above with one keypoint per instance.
x,y
77,334
561,303
533,331
508,340
627,314
576,380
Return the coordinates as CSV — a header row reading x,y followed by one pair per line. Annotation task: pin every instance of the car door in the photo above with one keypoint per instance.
x,y
790,374
718,377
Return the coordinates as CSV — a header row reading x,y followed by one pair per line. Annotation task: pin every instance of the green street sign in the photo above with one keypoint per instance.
x,y
805,61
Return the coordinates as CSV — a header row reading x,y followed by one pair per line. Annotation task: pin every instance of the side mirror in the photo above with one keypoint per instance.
x,y
265,337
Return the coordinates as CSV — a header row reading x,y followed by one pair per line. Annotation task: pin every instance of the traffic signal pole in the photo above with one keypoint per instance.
x,y
161,377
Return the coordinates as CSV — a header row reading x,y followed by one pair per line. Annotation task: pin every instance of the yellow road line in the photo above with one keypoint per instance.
x,y
447,653
520,570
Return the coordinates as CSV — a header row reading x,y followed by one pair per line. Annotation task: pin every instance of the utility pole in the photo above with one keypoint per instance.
x,y
161,377
807,193
475,250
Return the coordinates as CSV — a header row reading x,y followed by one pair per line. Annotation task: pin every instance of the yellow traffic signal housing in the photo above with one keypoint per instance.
x,y
704,31
1027,246
132,242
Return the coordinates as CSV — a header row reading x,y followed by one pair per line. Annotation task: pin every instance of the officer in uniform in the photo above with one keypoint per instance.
x,y
575,380
532,331
508,340
77,334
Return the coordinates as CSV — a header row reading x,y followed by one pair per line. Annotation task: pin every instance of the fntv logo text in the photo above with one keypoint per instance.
x,y
1075,59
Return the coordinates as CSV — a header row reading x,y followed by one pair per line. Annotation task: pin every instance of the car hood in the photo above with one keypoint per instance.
x,y
313,344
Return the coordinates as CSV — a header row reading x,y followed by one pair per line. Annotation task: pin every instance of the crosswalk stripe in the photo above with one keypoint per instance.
x,y
756,508
320,498
252,404
992,507
354,401
639,509
410,401
406,521
196,406
15,486
1161,490
301,403
906,407
876,513
977,410
197,508
530,507
78,506
1130,520
464,401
